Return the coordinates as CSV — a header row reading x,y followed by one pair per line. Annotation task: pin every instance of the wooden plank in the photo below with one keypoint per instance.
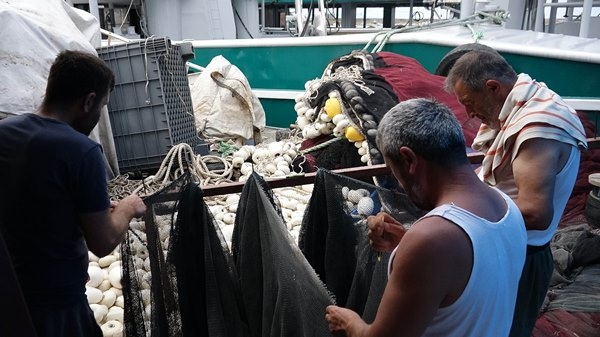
x,y
308,178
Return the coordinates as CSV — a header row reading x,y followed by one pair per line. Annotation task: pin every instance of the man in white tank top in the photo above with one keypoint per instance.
x,y
455,272
531,140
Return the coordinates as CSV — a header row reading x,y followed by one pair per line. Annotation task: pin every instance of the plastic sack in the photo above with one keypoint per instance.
x,y
224,105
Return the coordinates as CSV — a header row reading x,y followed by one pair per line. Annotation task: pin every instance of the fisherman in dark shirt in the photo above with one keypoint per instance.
x,y
54,203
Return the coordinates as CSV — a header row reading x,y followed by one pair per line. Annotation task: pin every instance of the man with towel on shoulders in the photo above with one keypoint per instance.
x,y
531,140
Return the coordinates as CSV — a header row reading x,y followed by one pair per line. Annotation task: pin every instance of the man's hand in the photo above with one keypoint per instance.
x,y
133,205
104,230
385,232
344,322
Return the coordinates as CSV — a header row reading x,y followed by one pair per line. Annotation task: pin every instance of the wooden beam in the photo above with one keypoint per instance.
x,y
308,178
593,143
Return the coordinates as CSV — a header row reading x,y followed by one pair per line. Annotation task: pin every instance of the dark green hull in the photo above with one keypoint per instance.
x,y
289,67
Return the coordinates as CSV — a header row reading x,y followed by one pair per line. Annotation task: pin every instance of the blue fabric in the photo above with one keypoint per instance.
x,y
74,319
51,175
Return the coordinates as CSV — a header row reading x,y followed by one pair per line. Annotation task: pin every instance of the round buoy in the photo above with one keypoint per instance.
x,y
353,134
332,107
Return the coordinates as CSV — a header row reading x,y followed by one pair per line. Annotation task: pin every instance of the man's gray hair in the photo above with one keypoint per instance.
x,y
427,127
476,67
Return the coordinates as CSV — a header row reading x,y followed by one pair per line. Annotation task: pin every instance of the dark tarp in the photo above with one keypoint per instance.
x,y
572,305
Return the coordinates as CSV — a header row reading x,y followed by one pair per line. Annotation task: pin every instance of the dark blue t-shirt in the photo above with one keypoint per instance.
x,y
50,174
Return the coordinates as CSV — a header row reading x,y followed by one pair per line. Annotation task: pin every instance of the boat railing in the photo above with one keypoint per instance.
x,y
586,15
477,18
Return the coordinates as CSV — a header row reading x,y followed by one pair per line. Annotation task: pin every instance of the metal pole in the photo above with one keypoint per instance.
x,y
552,19
517,14
539,15
586,16
299,19
410,13
94,9
262,16
467,8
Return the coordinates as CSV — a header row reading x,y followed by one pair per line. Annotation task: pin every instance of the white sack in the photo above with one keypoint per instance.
x,y
34,32
224,105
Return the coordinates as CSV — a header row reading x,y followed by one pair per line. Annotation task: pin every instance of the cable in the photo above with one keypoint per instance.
x,y
307,18
337,22
241,21
126,13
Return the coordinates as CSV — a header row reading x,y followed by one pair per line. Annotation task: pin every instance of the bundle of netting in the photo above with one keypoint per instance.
x,y
333,238
282,295
340,111
188,285
338,114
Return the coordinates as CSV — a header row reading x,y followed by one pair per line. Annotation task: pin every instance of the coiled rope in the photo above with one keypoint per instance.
x,y
179,160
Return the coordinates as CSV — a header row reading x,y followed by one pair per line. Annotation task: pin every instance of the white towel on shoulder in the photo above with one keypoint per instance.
x,y
530,111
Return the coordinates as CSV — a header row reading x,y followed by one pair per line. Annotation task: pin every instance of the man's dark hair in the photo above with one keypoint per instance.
x,y
75,74
476,67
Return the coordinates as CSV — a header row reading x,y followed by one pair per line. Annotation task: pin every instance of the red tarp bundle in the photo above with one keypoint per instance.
x,y
561,323
409,80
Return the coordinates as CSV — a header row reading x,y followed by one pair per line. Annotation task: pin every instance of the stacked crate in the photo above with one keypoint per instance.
x,y
150,108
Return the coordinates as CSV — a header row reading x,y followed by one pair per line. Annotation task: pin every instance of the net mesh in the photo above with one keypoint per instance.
x,y
181,279
178,274
149,285
333,237
282,294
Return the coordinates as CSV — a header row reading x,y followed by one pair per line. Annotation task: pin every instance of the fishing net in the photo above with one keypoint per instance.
x,y
282,295
347,103
363,98
333,237
178,275
149,284
181,279
572,305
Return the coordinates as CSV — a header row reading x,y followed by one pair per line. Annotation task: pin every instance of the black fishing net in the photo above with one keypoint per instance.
x,y
333,238
149,283
282,295
188,284
209,294
180,278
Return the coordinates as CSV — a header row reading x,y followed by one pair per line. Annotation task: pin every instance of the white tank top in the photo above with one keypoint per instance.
x,y
565,180
486,306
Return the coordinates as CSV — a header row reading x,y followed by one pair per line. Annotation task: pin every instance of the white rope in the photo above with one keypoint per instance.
x,y
295,193
181,159
321,145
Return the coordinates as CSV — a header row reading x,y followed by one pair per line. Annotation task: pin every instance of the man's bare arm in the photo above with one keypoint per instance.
x,y
104,230
535,169
428,270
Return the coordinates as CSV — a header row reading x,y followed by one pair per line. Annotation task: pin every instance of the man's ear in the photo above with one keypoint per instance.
x,y
493,86
409,159
89,101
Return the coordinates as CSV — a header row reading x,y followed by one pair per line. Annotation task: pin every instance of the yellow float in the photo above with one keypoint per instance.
x,y
332,107
354,135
